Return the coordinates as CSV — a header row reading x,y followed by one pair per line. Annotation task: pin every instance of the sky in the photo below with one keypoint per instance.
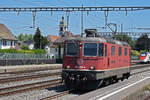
x,y
48,23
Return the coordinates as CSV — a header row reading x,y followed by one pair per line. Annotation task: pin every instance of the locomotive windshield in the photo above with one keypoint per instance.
x,y
90,49
143,54
72,49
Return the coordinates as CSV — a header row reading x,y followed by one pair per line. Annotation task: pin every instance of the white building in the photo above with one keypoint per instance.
x,y
7,39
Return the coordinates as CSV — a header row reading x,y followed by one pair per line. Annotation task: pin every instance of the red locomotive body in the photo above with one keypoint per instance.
x,y
90,61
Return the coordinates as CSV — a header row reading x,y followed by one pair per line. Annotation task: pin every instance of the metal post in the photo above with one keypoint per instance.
x,y
67,14
82,21
122,31
121,28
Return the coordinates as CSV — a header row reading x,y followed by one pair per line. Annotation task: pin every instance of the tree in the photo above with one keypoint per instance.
x,y
37,39
20,37
25,47
142,43
30,37
44,42
25,37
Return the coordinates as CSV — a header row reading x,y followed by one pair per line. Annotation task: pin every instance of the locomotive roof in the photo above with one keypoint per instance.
x,y
96,39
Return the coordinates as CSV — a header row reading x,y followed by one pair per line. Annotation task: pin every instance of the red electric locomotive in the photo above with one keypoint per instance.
x,y
90,62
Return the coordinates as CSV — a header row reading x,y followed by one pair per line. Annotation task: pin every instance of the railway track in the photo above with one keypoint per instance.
x,y
57,95
28,87
27,77
31,71
41,85
69,91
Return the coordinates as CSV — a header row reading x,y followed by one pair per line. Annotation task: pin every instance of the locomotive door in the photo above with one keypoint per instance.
x,y
105,58
112,58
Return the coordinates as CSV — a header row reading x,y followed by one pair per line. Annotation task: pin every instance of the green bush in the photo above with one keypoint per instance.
x,y
35,51
25,47
135,53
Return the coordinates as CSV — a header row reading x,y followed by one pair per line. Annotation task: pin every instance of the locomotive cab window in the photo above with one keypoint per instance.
x,y
90,49
125,51
112,50
120,51
72,49
101,46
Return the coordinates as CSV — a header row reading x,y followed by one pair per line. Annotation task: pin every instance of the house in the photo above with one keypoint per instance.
x,y
51,48
30,43
18,45
7,39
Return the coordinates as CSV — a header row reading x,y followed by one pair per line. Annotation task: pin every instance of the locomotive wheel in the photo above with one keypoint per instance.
x,y
114,80
106,81
122,78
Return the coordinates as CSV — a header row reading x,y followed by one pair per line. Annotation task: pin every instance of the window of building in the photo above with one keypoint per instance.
x,y
11,43
112,50
8,43
61,28
55,49
4,42
105,50
14,43
120,51
101,46
125,52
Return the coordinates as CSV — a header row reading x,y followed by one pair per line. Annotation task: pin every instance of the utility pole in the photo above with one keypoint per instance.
x,y
121,28
122,31
34,15
82,21
67,14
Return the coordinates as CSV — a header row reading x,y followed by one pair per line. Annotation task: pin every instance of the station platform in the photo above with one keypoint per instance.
x,y
28,67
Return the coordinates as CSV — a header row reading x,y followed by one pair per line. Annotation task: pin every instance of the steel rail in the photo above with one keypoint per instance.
x,y
27,77
28,87
57,95
29,71
41,85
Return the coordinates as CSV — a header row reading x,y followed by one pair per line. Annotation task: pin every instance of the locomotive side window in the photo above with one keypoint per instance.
x,y
112,50
125,52
105,50
72,49
90,49
101,46
120,51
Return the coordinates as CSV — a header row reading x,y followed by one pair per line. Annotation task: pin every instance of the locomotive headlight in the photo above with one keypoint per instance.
x,y
68,67
92,68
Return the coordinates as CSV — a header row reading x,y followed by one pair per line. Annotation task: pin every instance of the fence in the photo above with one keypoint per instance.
x,y
23,59
28,56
